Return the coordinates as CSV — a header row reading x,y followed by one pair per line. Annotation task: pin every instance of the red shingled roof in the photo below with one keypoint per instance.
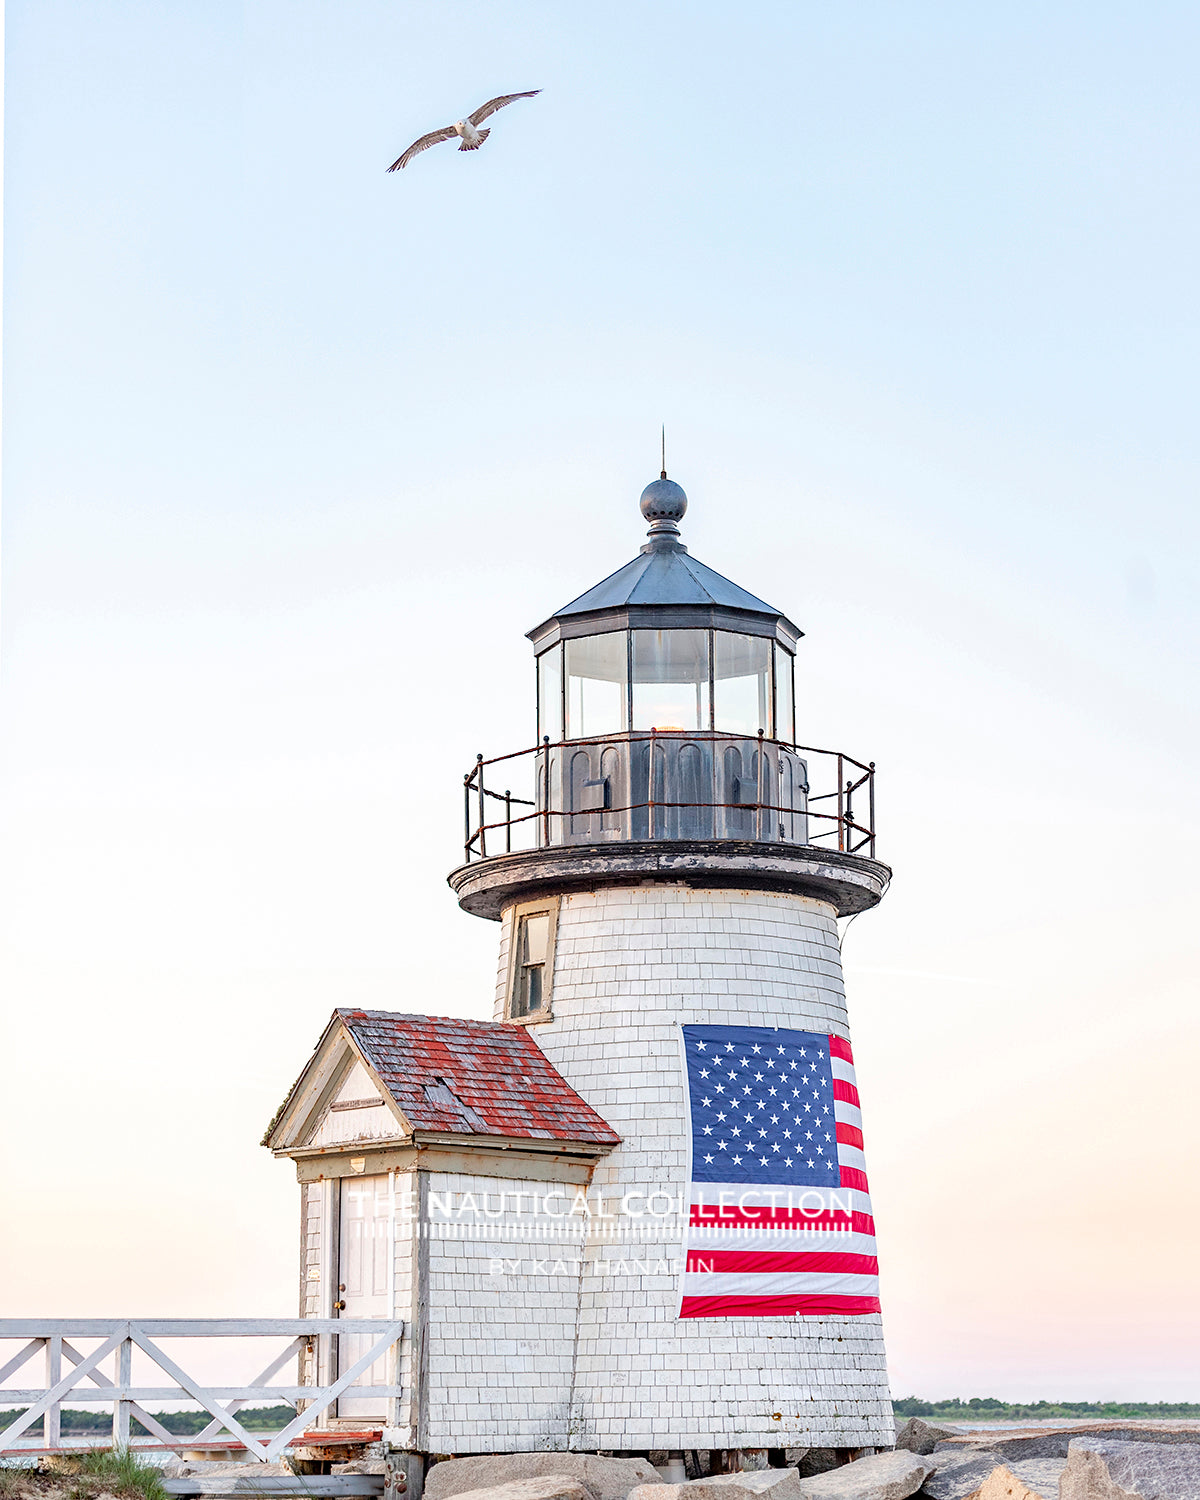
x,y
473,1078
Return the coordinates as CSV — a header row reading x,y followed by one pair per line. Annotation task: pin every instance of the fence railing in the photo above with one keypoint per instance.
x,y
829,801
66,1368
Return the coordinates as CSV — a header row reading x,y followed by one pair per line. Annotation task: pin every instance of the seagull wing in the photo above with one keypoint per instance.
x,y
434,138
493,105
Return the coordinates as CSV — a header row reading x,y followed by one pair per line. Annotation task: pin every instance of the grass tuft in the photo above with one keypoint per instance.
x,y
124,1473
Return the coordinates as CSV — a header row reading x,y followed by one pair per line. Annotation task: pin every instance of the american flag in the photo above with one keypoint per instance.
x,y
779,1220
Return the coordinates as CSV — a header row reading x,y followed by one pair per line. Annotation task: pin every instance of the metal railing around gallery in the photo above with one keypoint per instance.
x,y
659,784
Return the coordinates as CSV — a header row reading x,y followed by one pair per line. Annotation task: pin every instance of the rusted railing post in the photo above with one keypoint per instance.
x,y
758,793
482,808
841,810
507,821
467,839
546,790
871,806
849,816
650,788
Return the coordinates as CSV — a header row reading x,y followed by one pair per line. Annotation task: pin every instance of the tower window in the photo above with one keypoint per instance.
x,y
531,967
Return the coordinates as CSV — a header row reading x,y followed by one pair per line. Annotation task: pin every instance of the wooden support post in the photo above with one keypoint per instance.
x,y
53,1420
122,1404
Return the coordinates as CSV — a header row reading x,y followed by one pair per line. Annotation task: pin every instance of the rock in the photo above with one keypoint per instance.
x,y
1003,1484
360,1466
819,1461
60,1463
919,1437
779,1484
603,1478
882,1476
1053,1442
539,1487
960,1475
1108,1469
1087,1477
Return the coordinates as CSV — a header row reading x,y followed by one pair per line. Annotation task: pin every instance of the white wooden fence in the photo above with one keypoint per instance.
x,y
65,1368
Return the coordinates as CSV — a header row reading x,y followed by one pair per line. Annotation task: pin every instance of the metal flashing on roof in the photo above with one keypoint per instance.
x,y
665,580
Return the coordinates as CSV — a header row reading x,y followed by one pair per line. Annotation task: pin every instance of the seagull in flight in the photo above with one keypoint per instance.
x,y
472,136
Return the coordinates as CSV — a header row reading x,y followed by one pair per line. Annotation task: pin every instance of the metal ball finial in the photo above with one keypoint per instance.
x,y
663,504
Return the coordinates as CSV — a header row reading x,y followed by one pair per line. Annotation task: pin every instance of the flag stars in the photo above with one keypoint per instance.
x,y
753,1070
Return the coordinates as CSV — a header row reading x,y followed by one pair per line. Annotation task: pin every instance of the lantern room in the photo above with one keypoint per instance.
x,y
666,710
666,702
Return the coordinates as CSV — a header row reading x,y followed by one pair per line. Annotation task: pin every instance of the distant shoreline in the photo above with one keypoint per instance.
x,y
986,1409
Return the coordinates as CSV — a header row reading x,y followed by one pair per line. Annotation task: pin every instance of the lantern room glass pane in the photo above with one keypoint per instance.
x,y
785,706
742,683
670,679
597,685
549,676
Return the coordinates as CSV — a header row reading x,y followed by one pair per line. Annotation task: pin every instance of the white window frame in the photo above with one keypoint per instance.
x,y
548,908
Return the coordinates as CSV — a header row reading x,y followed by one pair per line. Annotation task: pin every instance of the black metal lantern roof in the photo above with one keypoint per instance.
x,y
664,588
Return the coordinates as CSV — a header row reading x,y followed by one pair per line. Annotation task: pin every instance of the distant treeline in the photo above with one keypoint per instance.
x,y
987,1408
178,1423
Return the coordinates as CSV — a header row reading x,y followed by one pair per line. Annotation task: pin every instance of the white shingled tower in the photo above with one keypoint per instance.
x,y
668,884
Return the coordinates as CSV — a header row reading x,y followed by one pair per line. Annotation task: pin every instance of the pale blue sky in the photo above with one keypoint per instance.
x,y
296,451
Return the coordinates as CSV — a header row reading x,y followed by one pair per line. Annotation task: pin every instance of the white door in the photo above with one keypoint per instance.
x,y
364,1271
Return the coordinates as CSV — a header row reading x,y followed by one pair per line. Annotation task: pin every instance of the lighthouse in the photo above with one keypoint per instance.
x,y
673,910
630,1214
